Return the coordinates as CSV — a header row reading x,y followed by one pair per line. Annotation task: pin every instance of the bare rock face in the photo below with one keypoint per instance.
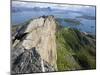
x,y
40,35
30,61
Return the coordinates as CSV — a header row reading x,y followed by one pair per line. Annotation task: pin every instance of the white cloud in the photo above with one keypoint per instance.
x,y
42,5
31,4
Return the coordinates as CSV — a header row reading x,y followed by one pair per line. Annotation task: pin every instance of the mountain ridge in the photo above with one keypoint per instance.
x,y
50,47
40,35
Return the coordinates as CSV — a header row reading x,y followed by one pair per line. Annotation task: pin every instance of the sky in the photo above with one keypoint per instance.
x,y
57,6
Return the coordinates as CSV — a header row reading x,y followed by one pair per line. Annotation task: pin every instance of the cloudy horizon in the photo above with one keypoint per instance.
x,y
44,5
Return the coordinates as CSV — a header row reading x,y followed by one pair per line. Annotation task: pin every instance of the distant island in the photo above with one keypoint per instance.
x,y
87,17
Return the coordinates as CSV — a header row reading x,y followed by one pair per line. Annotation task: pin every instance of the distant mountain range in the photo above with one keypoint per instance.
x,y
19,9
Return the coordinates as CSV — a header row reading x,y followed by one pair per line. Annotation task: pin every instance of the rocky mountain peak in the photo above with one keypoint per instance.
x,y
40,35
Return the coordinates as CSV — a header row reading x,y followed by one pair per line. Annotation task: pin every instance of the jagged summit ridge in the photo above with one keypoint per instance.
x,y
38,34
42,37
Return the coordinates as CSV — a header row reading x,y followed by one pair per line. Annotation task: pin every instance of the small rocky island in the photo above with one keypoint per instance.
x,y
43,45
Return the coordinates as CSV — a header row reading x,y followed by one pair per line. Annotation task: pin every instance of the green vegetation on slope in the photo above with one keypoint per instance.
x,y
75,50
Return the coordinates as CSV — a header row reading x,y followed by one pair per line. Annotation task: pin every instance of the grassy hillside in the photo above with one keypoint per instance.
x,y
75,50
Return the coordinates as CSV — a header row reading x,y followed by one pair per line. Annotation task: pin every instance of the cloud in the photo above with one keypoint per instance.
x,y
56,6
31,4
